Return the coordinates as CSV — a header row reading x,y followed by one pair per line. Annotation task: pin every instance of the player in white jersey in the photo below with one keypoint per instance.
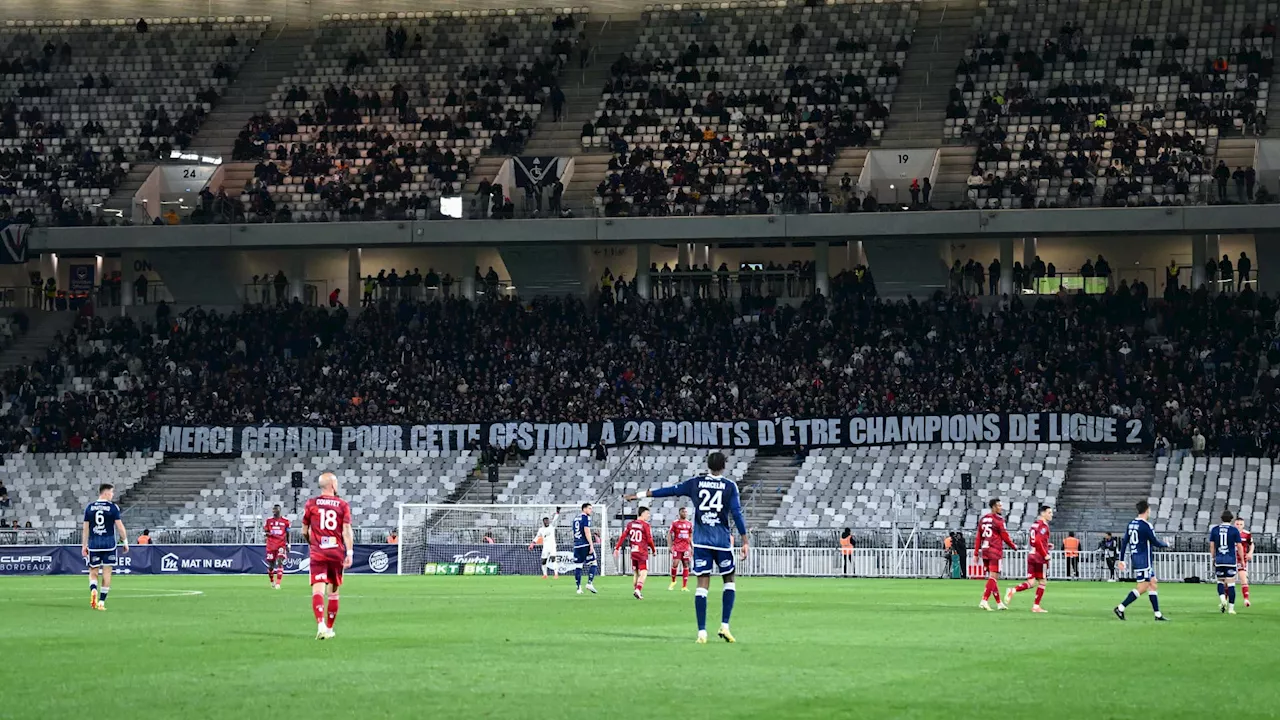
x,y
547,539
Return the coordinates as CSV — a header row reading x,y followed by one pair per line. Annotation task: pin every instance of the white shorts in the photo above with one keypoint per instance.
x,y
548,554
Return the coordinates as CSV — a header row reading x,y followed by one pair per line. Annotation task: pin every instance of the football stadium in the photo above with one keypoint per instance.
x,y
502,340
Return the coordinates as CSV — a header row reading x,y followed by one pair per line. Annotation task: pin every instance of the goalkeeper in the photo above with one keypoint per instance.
x,y
547,539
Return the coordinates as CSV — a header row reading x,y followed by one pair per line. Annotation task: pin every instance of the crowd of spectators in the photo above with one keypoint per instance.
x,y
1196,362
1152,159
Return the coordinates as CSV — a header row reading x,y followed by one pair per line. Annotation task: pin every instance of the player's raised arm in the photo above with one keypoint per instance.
x,y
680,490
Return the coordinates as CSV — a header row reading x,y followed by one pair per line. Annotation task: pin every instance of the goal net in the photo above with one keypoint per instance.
x,y
443,539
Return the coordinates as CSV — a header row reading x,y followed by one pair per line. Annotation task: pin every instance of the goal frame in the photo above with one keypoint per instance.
x,y
601,529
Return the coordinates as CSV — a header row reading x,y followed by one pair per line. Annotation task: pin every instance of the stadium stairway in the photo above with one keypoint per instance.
x,y
168,489
850,160
121,200
1101,490
1238,152
920,103
582,89
766,481
44,326
249,92
955,162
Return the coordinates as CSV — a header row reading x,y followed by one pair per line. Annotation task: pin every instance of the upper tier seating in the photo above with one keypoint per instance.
x,y
385,114
719,107
1190,495
85,99
876,486
51,489
1039,77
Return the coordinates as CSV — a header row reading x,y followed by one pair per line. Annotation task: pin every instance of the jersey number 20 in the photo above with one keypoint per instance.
x,y
710,500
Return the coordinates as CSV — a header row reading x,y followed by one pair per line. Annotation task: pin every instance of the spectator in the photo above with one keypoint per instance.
x,y
281,284
141,25
1110,554
1243,267
846,549
1071,547
144,538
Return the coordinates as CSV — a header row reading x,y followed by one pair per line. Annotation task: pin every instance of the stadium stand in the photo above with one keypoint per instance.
x,y
383,116
920,484
1108,104
49,489
375,482
86,99
1189,492
721,110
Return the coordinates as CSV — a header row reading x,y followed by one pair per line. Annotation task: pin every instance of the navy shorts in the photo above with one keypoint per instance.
x,y
712,562
584,555
1145,574
1224,571
100,558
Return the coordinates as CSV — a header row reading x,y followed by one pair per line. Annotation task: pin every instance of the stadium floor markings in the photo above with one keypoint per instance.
x,y
120,595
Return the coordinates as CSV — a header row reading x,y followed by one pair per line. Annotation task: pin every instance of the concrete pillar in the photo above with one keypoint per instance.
x,y
683,254
467,280
1006,266
644,282
353,292
1213,250
1029,251
127,277
297,274
822,268
1199,244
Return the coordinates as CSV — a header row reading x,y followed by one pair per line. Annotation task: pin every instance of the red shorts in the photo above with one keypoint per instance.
x,y
682,556
278,553
325,570
1242,566
991,566
1035,568
640,561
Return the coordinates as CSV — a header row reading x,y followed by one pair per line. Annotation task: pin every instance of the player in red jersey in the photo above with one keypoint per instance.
x,y
992,539
681,538
640,536
1037,560
277,532
326,527
1243,556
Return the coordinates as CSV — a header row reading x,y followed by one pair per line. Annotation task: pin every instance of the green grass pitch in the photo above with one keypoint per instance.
x,y
518,647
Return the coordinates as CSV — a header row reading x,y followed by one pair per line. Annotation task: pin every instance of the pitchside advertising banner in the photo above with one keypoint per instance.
x,y
183,560
490,559
1102,432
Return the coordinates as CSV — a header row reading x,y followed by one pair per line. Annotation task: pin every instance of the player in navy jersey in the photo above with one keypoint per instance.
x,y
1224,546
584,549
1138,544
715,500
98,541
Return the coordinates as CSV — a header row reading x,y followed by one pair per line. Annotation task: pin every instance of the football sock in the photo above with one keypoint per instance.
x,y
577,576
1222,593
1244,590
317,606
1154,597
92,586
102,594
700,608
591,574
1231,594
1131,598
1039,594
726,602
1022,586
685,582
674,568
333,610
993,590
